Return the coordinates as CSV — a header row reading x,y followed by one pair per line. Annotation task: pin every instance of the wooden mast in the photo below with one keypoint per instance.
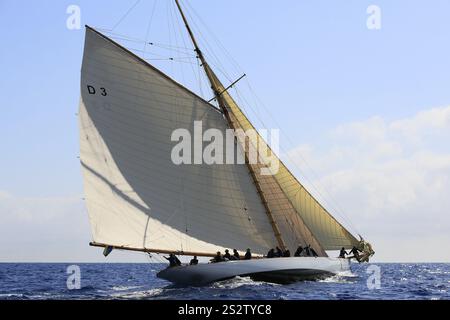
x,y
218,95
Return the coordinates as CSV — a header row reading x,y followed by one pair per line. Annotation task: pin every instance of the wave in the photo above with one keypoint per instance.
x,y
237,282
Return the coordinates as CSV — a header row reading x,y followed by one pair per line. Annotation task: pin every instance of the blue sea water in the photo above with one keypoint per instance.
x,y
139,281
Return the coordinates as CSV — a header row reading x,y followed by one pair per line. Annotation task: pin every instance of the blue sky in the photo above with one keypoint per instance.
x,y
315,64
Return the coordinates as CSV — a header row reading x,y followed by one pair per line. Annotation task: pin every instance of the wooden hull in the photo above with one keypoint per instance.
x,y
277,270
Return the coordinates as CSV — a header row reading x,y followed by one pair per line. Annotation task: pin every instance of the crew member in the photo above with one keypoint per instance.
x,y
217,258
248,255
227,255
173,261
194,261
343,253
299,251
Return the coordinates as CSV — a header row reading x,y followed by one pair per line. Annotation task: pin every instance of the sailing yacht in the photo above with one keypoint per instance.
x,y
139,200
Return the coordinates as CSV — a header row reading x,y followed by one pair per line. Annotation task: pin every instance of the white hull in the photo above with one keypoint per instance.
x,y
279,270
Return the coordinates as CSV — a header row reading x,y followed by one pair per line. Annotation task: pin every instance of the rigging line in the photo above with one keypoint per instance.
x,y
303,174
126,14
176,35
139,40
348,221
164,57
227,88
149,26
186,52
197,76
171,47
172,72
182,181
216,39
111,34
335,204
185,214
125,39
208,52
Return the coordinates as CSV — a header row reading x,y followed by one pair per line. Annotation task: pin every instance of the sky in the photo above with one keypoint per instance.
x,y
364,113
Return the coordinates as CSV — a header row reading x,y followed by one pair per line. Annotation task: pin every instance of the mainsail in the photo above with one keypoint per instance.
x,y
138,199
136,196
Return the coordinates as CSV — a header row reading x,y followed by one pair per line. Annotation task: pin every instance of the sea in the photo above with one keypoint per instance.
x,y
71,281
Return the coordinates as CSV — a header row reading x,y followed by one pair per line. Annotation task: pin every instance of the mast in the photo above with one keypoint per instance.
x,y
224,109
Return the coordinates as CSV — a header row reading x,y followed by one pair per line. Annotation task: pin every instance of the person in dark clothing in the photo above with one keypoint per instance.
x,y
194,261
355,253
236,255
343,253
248,255
173,261
271,253
217,258
278,252
299,251
287,253
307,251
313,252
227,255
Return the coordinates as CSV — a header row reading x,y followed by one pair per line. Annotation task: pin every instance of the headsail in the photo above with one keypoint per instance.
x,y
136,196
292,203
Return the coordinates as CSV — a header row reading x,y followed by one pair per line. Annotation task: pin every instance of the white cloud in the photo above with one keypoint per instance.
x,y
392,178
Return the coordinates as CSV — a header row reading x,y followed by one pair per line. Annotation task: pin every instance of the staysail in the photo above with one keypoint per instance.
x,y
292,203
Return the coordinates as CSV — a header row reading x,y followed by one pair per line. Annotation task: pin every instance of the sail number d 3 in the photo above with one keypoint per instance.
x,y
92,90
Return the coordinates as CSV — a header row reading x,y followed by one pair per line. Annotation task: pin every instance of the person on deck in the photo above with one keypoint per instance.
x,y
271,253
248,255
217,258
227,255
173,261
343,253
287,253
236,255
278,252
313,252
299,251
194,261
355,253
307,251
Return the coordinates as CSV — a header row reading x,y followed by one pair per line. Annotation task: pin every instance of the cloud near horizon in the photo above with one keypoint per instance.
x,y
392,180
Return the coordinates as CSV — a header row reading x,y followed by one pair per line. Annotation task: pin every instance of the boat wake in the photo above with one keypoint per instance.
x,y
341,277
144,294
238,282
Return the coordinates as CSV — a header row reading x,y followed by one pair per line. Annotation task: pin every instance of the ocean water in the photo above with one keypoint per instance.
x,y
139,281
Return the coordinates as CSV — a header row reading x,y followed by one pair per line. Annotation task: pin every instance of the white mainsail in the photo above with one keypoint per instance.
x,y
136,196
